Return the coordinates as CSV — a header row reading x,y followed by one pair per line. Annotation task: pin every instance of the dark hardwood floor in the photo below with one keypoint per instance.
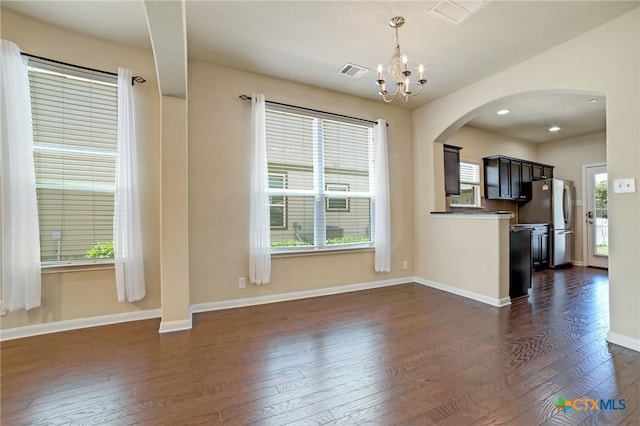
x,y
406,355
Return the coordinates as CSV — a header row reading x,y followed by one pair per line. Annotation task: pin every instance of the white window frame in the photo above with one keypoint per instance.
x,y
342,187
320,192
474,183
285,219
72,73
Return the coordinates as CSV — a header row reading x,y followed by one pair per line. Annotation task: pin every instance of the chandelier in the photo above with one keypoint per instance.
x,y
399,72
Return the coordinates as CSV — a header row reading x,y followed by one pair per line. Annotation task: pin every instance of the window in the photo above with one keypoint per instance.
x,y
74,131
314,161
337,204
469,186
278,203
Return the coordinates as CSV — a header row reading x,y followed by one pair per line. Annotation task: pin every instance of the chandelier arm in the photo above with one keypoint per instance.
x,y
392,96
419,90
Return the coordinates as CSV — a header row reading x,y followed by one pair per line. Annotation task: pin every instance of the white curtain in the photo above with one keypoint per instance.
x,y
19,209
382,213
127,233
259,210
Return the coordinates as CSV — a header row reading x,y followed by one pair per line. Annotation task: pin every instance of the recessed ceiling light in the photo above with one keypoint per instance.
x,y
503,112
554,129
592,101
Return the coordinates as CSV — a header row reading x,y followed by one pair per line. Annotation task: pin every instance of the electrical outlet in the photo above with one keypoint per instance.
x,y
242,282
405,264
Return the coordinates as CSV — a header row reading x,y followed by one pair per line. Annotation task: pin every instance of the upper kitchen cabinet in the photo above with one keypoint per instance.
x,y
451,169
507,178
541,171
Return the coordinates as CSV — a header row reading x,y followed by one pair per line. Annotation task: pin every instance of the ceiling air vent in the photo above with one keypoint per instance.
x,y
355,71
455,11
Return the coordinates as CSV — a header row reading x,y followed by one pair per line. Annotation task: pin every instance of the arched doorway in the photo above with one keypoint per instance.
x,y
523,132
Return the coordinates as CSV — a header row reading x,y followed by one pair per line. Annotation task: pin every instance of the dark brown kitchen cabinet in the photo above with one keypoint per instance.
x,y
540,246
541,171
451,169
497,178
509,178
505,178
516,178
525,180
526,172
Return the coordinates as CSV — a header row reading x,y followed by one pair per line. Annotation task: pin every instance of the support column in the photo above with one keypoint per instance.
x,y
174,217
167,29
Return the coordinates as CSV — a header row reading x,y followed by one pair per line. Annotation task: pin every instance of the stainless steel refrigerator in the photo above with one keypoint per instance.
x,y
552,203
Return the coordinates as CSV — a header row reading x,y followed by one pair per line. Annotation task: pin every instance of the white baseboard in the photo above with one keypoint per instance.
x,y
622,340
75,324
261,300
578,263
171,326
465,293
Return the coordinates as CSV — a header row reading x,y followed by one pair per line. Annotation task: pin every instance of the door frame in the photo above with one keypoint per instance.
x,y
585,230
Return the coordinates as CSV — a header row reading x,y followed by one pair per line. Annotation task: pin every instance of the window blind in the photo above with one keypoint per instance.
x,y
348,165
469,186
75,130
320,180
469,173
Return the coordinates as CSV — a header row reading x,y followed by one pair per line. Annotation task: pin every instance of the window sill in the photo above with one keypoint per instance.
x,y
321,251
78,266
465,206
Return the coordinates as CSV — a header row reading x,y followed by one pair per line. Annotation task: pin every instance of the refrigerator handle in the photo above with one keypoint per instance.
x,y
567,207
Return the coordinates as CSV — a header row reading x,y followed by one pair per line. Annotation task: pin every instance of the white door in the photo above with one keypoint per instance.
x,y
596,216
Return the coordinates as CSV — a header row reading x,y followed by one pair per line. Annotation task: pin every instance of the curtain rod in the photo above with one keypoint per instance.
x,y
248,98
134,79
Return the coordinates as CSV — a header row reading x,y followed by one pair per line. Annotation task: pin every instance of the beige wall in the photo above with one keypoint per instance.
x,y
568,156
81,294
570,66
479,143
219,130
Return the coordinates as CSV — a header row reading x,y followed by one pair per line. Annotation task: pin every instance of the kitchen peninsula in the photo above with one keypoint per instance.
x,y
480,242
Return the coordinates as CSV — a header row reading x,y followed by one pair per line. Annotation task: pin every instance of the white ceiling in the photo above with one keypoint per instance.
x,y
531,115
310,41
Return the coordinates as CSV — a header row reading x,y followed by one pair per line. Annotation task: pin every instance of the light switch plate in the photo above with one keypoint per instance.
x,y
621,186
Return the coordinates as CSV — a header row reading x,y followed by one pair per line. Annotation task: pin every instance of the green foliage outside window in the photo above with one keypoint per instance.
x,y
101,251
601,198
330,241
